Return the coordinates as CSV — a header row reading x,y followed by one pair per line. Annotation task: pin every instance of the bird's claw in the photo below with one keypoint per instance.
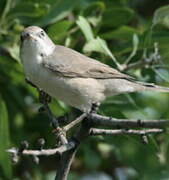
x,y
94,108
44,98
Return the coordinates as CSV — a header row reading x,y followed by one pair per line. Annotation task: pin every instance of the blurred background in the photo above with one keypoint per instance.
x,y
126,31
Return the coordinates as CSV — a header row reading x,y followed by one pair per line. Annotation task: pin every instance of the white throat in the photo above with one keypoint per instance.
x,y
32,54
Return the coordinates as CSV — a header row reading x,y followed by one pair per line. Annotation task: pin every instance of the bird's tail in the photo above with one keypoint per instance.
x,y
141,86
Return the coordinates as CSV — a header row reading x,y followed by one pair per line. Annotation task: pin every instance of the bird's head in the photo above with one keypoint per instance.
x,y
35,39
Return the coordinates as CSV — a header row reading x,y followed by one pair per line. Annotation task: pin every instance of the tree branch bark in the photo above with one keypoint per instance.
x,y
98,120
96,132
89,121
45,152
67,158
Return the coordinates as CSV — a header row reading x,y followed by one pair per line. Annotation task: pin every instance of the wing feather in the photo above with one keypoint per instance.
x,y
69,63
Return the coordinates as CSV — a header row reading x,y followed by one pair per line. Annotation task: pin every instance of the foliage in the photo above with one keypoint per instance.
x,y
114,32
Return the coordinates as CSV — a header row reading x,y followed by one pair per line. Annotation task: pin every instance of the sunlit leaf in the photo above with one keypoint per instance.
x,y
14,52
135,47
85,28
99,45
161,16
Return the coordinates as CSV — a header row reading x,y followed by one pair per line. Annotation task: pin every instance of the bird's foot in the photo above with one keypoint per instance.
x,y
59,132
94,108
44,98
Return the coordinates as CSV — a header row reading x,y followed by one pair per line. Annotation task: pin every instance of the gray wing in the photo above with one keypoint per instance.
x,y
69,63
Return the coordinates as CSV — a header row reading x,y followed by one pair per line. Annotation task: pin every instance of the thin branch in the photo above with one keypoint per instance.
x,y
99,120
75,122
147,62
65,164
45,152
96,132
139,64
86,129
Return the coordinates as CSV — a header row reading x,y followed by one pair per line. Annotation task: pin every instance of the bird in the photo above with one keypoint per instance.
x,y
67,75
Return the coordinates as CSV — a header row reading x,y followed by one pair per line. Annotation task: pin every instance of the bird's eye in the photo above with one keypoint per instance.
x,y
42,33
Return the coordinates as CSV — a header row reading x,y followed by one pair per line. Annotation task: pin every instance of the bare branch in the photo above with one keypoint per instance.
x,y
95,131
86,129
65,164
67,157
139,64
99,120
75,122
45,152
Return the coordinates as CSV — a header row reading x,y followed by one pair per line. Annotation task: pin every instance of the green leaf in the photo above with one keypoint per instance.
x,y
85,28
135,47
94,12
59,29
115,17
5,10
14,52
100,45
2,5
59,10
123,33
162,73
161,16
95,45
5,163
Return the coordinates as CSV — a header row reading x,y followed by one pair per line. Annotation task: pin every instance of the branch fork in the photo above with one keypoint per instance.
x,y
90,124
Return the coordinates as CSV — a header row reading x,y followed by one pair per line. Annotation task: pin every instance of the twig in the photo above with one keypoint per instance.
x,y
75,122
99,120
139,64
45,152
95,131
68,150
145,61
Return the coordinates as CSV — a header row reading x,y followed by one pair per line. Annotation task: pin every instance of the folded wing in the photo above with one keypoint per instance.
x,y
69,63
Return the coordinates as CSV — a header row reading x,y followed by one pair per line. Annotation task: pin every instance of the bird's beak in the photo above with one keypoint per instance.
x,y
26,35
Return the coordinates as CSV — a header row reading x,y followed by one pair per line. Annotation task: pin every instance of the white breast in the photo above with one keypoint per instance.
x,y
77,92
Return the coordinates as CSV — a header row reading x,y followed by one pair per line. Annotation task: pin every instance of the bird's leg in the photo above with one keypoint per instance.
x,y
59,132
94,108
30,83
45,99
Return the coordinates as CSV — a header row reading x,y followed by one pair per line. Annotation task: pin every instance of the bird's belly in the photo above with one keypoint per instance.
x,y
77,92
